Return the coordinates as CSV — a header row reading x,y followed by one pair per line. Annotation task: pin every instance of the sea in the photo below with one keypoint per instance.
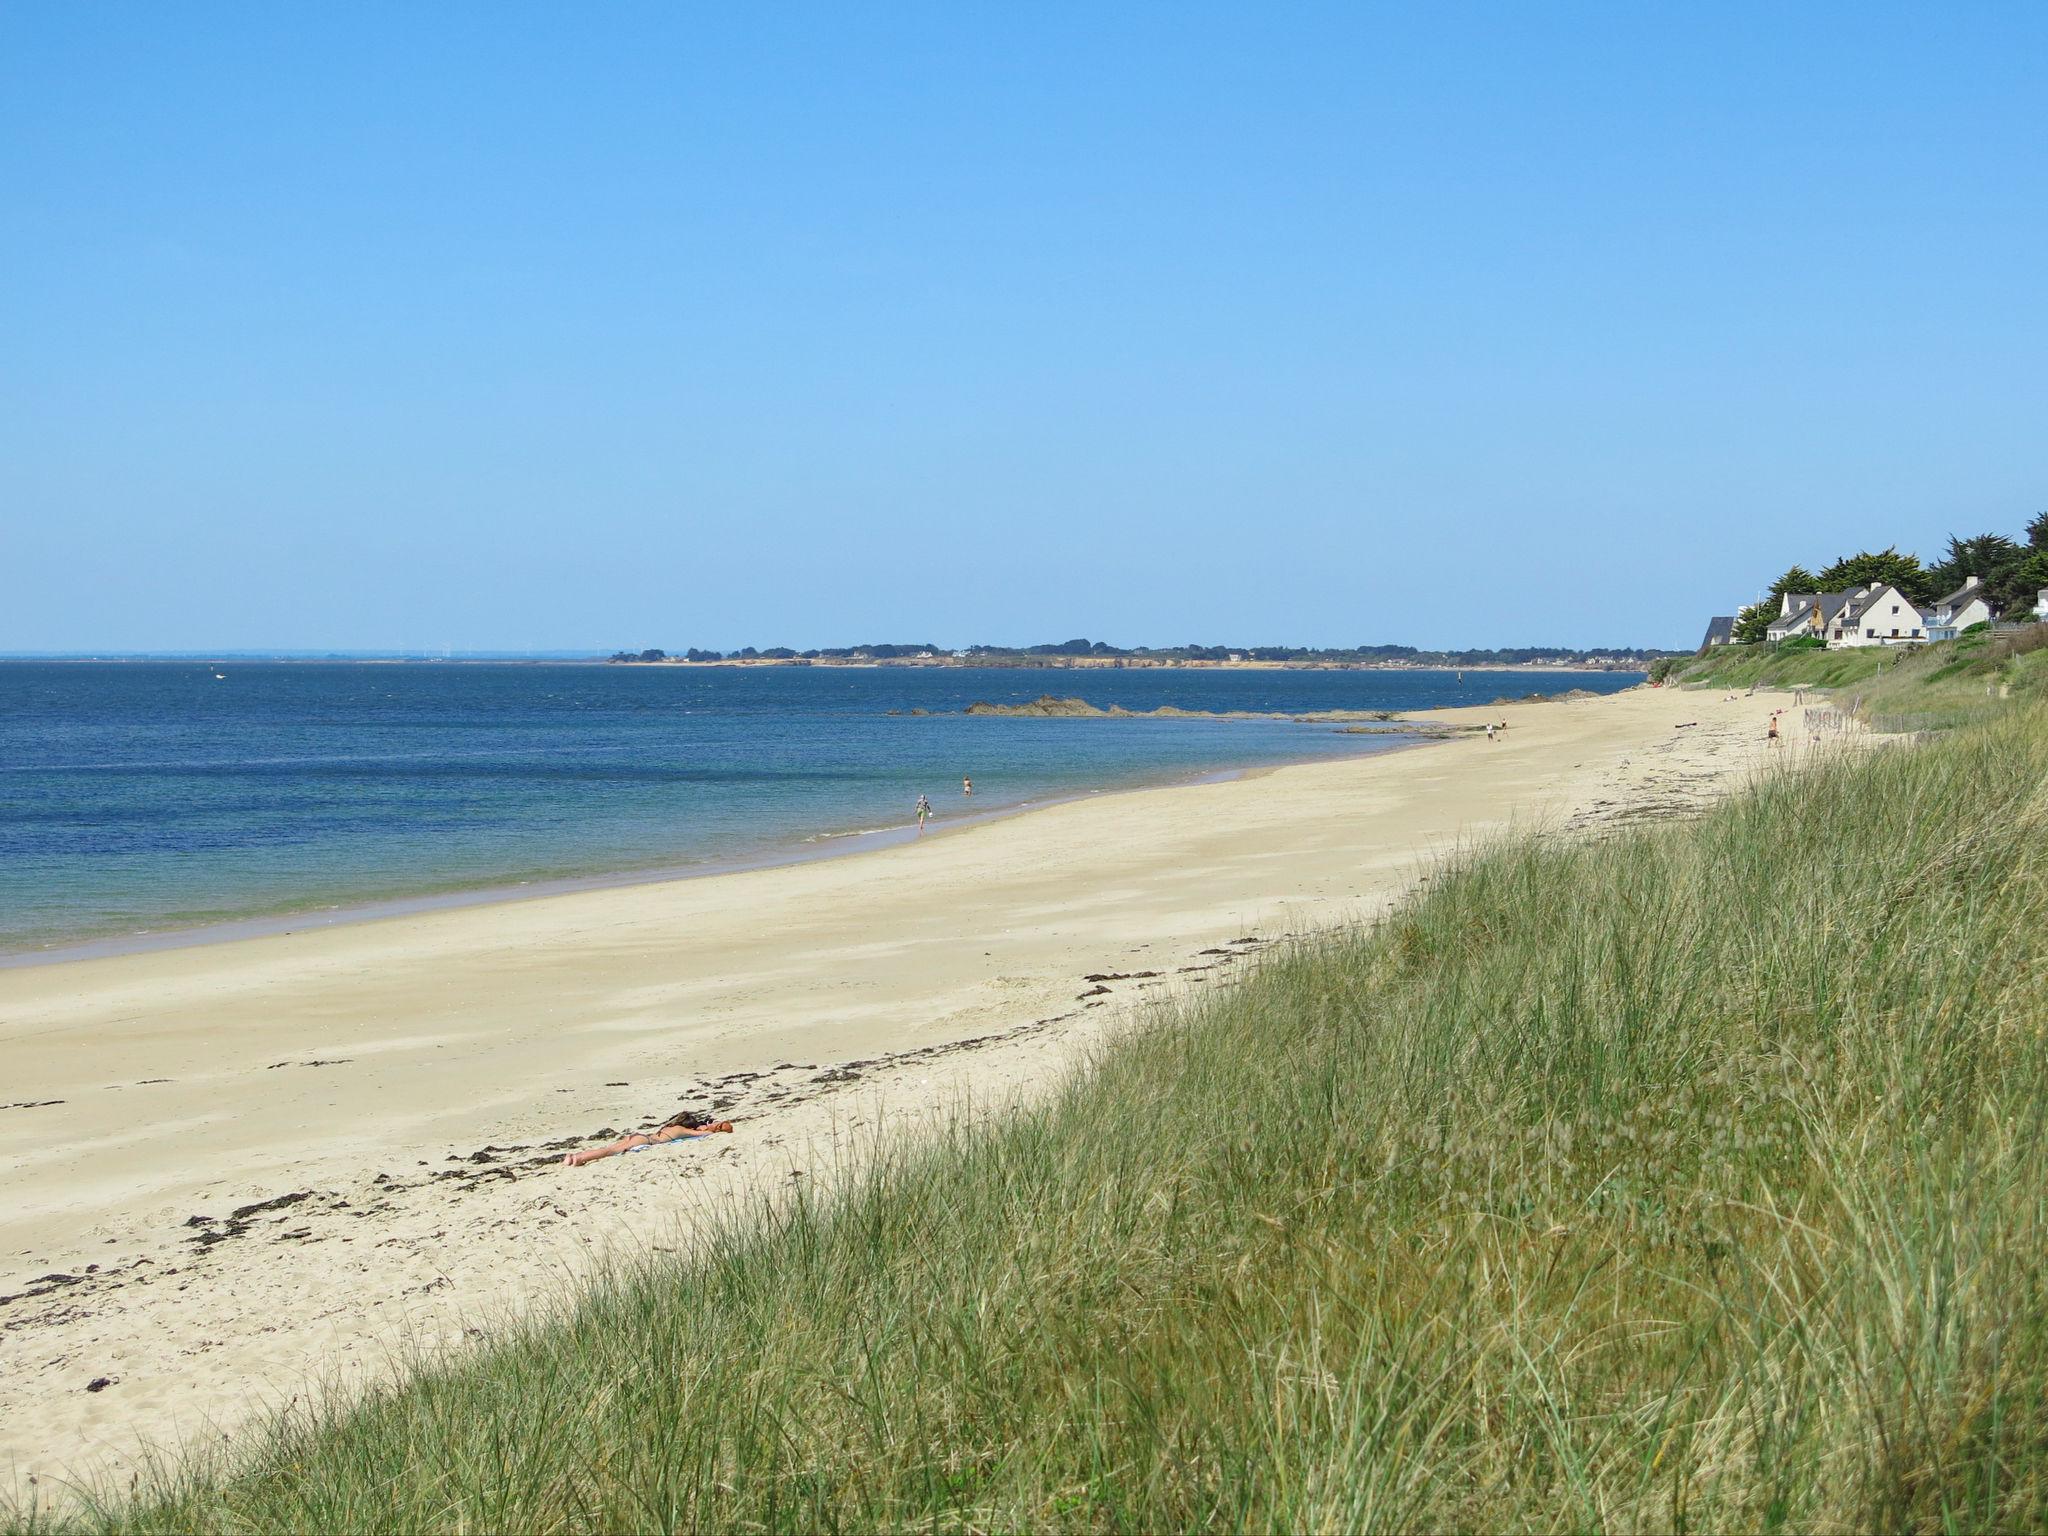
x,y
147,804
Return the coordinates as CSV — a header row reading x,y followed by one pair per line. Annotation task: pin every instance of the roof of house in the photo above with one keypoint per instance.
x,y
1796,614
1720,627
1961,596
1925,614
1831,603
1861,599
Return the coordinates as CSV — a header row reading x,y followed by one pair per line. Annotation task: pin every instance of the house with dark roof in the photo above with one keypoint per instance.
x,y
1959,610
1806,613
1720,631
1878,615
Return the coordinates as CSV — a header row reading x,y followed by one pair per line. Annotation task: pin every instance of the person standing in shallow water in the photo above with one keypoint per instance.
x,y
966,785
924,811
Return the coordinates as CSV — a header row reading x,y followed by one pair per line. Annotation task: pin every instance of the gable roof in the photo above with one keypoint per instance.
x,y
1961,597
1796,606
1799,615
1719,628
1867,598
1841,607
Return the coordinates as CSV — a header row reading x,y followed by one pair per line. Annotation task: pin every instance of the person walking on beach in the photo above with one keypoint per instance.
x,y
680,1128
1489,730
1773,737
924,811
966,785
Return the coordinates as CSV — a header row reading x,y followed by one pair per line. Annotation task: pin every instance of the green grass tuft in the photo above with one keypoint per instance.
x,y
1690,1179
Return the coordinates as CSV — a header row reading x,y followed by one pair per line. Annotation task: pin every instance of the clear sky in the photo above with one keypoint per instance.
x,y
506,325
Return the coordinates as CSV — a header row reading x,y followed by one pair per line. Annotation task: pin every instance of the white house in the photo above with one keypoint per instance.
x,y
1879,615
2041,607
1806,613
1958,611
1796,616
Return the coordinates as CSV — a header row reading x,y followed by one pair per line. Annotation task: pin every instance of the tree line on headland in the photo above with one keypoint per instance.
x,y
1098,652
2011,573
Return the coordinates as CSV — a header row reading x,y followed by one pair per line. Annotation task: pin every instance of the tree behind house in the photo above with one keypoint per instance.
x,y
1886,565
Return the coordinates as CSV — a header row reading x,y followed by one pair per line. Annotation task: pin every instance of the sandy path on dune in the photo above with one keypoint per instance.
x,y
271,1159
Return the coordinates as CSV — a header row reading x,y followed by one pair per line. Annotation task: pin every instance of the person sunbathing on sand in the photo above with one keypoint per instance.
x,y
688,1123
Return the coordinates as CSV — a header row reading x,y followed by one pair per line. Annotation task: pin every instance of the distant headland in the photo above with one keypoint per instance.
x,y
1100,654
1085,654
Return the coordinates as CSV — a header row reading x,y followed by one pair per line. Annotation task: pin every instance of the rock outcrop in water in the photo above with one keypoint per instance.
x,y
1548,698
1047,707
1050,707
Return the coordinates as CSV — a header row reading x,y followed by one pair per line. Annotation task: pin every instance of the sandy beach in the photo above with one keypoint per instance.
x,y
239,1173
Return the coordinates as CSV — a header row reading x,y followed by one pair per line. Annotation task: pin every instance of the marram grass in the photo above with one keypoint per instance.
x,y
1693,1179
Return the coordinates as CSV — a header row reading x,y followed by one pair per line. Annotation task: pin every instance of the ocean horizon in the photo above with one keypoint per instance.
x,y
145,803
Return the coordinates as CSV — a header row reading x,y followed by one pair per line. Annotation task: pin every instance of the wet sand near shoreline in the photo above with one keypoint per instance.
x,y
246,1172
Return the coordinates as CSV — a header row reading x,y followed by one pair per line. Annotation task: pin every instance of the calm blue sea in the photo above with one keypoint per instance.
x,y
137,798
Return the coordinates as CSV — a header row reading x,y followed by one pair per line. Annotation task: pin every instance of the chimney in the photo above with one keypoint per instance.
x,y
1969,582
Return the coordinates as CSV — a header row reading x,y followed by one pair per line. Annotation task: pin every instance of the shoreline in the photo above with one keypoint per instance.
x,y
813,848
282,1158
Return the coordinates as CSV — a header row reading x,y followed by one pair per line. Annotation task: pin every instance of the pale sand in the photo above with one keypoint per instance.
x,y
356,1063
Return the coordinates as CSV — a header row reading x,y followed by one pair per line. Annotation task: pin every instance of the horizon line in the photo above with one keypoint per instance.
x,y
837,652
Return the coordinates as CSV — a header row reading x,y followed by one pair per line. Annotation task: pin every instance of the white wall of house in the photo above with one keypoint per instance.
x,y
1975,611
1947,623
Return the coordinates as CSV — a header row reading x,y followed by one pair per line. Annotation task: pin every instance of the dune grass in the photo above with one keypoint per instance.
x,y
1693,1179
1740,666
1955,682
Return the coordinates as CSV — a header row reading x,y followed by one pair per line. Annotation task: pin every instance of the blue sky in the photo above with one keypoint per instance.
x,y
509,325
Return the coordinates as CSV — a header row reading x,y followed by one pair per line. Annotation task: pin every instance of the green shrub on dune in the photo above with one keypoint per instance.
x,y
1691,1178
